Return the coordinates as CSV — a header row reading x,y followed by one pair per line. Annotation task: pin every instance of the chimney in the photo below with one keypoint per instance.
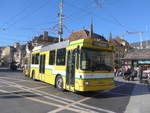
x,y
110,37
91,28
45,35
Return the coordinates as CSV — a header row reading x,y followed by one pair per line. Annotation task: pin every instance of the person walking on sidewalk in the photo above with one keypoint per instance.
x,y
133,74
140,73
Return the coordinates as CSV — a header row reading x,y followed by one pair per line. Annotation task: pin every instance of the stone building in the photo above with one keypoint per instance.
x,y
13,53
7,55
37,41
43,40
121,48
19,53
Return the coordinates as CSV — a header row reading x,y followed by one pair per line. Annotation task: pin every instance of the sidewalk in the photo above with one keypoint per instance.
x,y
140,97
139,100
136,81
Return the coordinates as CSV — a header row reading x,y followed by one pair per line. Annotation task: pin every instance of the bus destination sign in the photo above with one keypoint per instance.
x,y
100,44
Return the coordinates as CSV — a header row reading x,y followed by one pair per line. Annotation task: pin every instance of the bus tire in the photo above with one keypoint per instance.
x,y
33,75
59,83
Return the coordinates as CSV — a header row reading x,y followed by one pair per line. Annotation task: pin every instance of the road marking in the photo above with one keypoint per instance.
x,y
67,106
24,81
3,91
41,87
29,90
51,104
5,86
17,80
48,103
79,102
57,97
73,104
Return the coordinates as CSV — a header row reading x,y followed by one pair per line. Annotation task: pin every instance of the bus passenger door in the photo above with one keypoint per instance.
x,y
42,67
70,70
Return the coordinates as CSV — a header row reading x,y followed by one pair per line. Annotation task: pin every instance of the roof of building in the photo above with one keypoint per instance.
x,y
116,42
84,34
120,40
48,40
137,54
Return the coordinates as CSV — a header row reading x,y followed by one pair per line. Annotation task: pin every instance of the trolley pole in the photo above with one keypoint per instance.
x,y
60,27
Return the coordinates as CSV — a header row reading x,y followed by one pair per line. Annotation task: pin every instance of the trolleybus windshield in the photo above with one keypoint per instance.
x,y
94,60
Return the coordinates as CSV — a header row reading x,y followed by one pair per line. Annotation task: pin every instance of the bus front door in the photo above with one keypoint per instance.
x,y
70,71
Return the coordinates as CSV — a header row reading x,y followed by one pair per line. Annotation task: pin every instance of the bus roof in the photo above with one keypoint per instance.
x,y
59,45
37,48
64,44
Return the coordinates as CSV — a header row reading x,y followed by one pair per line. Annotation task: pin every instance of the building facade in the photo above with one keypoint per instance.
x,y
7,55
121,48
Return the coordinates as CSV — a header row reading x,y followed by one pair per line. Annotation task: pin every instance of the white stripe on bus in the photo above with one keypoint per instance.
x,y
79,75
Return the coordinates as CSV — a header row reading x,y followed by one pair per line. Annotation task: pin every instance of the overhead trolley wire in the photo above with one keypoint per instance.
x,y
113,17
90,13
29,14
18,14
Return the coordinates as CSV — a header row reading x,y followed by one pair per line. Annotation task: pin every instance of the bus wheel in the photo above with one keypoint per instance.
x,y
59,83
33,75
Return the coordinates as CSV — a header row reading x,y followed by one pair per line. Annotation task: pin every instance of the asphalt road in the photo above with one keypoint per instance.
x,y
19,94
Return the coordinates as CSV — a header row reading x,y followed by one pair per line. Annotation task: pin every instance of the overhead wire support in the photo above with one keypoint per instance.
x,y
60,27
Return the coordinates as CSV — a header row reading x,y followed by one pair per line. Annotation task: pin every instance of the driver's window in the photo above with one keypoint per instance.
x,y
85,61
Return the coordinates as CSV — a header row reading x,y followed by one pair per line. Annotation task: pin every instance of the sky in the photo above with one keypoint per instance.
x,y
21,20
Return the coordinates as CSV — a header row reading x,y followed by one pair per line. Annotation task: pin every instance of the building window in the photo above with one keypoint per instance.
x,y
52,57
61,54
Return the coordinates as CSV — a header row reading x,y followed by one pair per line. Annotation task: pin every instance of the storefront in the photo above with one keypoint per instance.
x,y
133,63
137,57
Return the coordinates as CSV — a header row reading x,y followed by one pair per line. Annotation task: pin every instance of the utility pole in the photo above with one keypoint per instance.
x,y
60,27
141,39
146,37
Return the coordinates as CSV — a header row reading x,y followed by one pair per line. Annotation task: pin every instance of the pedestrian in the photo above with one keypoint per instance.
x,y
116,70
133,74
128,73
140,73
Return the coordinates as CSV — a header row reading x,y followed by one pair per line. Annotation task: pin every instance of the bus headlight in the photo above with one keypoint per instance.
x,y
86,83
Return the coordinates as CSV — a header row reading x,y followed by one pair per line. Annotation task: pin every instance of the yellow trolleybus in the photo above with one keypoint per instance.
x,y
81,65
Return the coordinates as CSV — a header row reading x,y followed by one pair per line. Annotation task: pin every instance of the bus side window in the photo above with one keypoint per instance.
x,y
42,63
33,59
37,58
77,60
52,57
61,55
